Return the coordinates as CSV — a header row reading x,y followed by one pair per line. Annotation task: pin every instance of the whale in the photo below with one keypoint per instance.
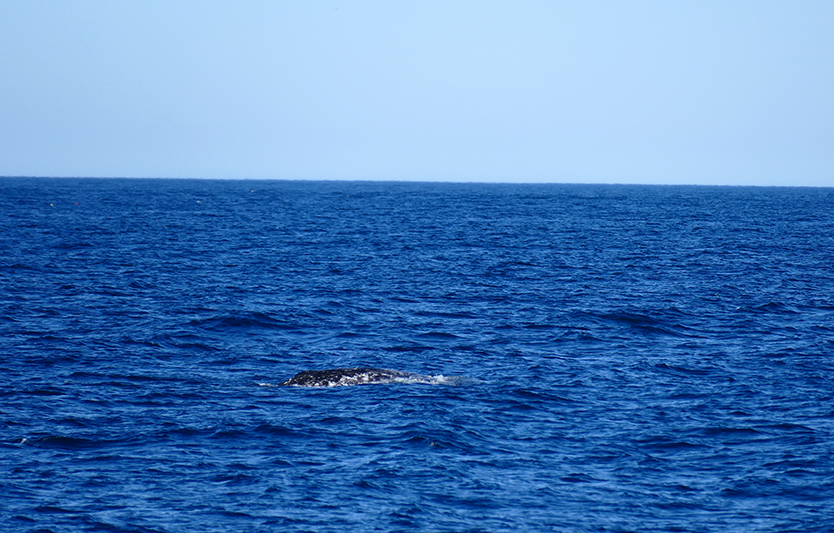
x,y
341,377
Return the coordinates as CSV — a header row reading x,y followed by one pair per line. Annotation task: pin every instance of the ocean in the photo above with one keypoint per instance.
x,y
592,357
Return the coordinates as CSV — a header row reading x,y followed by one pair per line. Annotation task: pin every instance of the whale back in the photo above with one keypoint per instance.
x,y
338,377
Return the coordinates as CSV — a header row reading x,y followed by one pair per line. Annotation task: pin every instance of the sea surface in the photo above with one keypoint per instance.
x,y
602,357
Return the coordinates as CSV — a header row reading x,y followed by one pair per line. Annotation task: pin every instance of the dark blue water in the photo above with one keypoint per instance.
x,y
627,358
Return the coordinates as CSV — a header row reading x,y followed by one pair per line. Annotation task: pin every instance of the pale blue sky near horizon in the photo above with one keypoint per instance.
x,y
684,92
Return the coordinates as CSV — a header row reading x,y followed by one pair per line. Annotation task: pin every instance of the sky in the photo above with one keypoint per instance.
x,y
658,92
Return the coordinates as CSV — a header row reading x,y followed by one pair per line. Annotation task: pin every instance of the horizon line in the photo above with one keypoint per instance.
x,y
439,181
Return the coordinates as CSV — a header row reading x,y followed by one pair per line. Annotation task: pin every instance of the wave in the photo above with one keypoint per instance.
x,y
244,321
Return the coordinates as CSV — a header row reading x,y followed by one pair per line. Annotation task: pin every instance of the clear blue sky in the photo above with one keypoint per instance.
x,y
708,92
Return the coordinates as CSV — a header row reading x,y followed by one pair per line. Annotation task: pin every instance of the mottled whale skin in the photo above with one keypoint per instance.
x,y
338,377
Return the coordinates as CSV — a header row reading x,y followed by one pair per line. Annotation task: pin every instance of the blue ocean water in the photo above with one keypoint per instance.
x,y
626,358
